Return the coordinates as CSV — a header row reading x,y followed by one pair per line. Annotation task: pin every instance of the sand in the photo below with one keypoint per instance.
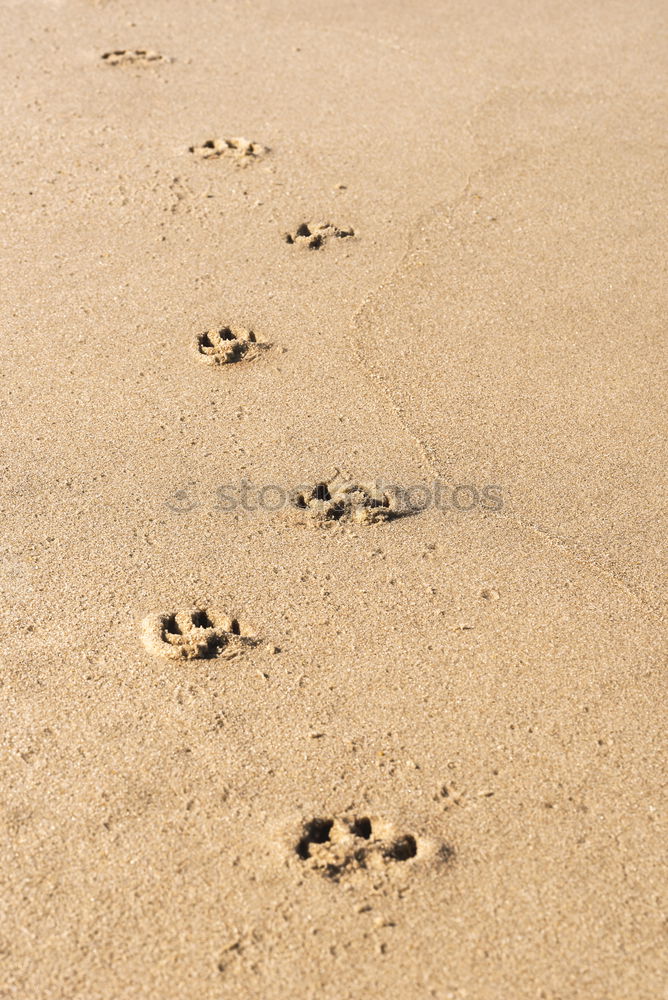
x,y
259,748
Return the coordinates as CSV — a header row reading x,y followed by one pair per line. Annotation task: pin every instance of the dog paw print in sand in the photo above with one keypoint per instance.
x,y
227,345
335,847
133,57
314,235
195,634
242,151
342,499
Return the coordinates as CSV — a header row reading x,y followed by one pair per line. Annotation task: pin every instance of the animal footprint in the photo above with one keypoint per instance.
x,y
345,500
193,635
241,150
227,345
335,847
313,236
133,57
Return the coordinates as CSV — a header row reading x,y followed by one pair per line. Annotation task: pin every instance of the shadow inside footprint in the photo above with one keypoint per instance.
x,y
133,57
341,499
313,236
241,150
194,634
316,831
336,846
227,345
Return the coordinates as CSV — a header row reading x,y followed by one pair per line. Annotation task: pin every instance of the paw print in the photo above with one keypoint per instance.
x,y
227,345
193,635
133,57
313,236
336,847
241,150
345,500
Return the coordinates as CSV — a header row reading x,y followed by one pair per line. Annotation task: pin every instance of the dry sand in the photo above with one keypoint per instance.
x,y
383,757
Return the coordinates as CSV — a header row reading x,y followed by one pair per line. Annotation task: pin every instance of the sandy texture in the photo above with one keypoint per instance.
x,y
245,755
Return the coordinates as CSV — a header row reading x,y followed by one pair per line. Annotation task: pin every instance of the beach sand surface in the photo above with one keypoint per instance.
x,y
424,755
